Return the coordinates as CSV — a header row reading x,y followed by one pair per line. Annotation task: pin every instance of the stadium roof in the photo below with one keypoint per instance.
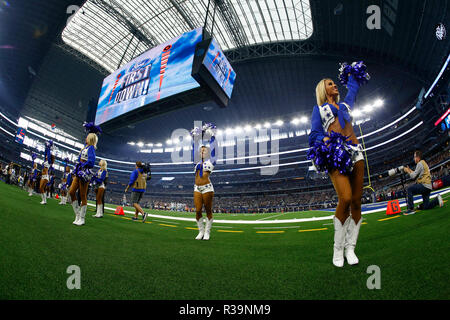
x,y
112,33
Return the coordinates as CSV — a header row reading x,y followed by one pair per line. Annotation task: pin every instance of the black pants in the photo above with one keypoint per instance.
x,y
425,192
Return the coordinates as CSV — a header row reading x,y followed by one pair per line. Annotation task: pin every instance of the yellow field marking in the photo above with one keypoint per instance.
x,y
270,231
148,222
363,222
235,231
191,228
320,229
167,225
389,218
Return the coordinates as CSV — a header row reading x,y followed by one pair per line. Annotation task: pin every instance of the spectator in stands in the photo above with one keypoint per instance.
x,y
422,185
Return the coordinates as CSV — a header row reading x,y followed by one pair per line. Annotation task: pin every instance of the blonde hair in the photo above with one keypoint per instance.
x,y
321,93
92,139
103,164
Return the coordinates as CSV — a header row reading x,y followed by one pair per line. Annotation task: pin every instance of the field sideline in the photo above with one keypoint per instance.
x,y
123,259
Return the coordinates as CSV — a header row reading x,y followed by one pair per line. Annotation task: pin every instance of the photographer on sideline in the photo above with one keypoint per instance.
x,y
138,181
422,186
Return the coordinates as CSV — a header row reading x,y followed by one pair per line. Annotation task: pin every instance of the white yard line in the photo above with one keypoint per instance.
x,y
330,217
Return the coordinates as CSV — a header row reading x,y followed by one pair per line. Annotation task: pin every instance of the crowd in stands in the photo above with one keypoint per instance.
x,y
258,197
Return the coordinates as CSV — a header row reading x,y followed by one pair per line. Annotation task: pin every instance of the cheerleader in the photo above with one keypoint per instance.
x,y
203,188
49,158
65,184
50,184
332,115
99,181
82,175
32,179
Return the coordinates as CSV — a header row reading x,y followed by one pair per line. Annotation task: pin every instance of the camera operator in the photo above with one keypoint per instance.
x,y
138,182
422,177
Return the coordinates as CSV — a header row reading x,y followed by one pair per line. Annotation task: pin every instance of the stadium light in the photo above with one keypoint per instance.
x,y
378,103
219,132
131,143
295,121
140,144
303,119
159,144
368,108
266,125
356,113
229,131
238,129
169,141
248,128
279,123
149,144
258,126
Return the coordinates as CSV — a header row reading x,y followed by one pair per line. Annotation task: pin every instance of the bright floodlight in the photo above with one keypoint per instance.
x,y
248,128
140,144
368,108
295,121
238,129
266,125
258,126
279,123
131,143
356,113
229,130
219,132
378,103
149,144
169,142
303,119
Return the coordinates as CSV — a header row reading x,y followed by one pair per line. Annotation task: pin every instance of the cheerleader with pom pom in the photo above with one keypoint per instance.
x,y
65,184
33,175
99,182
49,159
336,150
203,188
82,174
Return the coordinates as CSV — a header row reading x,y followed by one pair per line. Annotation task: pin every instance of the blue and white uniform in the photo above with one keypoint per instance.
x,y
86,161
323,116
205,166
101,178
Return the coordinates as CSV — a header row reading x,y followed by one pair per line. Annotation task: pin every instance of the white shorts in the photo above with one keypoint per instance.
x,y
45,177
357,153
204,189
101,186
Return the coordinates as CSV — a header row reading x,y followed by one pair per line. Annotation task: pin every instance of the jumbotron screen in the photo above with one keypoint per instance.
x,y
161,72
219,67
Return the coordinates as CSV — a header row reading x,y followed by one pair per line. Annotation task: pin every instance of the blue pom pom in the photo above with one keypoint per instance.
x,y
357,69
333,154
90,127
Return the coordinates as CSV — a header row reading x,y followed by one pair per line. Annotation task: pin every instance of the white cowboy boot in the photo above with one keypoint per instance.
x,y
350,241
44,198
339,237
207,228
201,229
99,213
82,215
76,209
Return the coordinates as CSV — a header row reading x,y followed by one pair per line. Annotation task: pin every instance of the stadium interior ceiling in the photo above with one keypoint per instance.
x,y
43,76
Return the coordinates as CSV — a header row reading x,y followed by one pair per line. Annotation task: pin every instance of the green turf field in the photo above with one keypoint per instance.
x,y
123,259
